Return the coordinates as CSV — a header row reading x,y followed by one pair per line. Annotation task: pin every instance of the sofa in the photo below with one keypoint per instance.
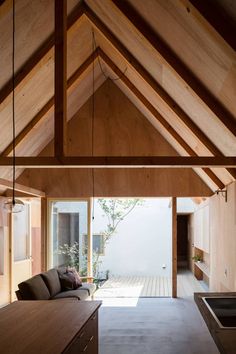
x,y
49,286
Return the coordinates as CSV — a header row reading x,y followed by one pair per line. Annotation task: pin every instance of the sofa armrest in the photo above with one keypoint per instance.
x,y
18,295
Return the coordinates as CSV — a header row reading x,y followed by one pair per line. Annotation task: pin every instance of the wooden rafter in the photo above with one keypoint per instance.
x,y
21,188
218,18
170,57
156,114
46,108
38,55
120,161
135,64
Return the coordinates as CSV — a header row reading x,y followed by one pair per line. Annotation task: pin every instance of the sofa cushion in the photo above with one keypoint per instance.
x,y
52,281
69,279
90,287
80,294
34,289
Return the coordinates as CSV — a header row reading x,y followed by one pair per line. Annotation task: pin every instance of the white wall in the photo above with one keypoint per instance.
x,y
142,243
185,205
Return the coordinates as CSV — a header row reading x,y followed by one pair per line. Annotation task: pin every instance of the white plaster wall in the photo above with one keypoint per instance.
x,y
142,243
185,205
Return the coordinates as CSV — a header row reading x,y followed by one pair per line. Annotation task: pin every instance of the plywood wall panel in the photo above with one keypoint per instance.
x,y
223,241
119,129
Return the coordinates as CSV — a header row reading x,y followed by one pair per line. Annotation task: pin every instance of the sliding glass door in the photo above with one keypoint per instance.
x,y
69,222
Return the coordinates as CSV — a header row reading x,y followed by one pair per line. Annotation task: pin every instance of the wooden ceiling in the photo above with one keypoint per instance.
x,y
175,66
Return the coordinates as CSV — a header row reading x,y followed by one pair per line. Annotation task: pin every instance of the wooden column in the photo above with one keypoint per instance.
x,y
174,247
44,244
60,76
90,239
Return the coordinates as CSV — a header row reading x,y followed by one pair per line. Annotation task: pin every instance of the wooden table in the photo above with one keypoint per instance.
x,y
49,327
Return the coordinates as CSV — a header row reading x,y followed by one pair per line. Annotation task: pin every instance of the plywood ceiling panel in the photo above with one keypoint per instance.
x,y
164,74
43,132
152,97
194,41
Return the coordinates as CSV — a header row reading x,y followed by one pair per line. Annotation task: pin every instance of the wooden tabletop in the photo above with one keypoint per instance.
x,y
42,326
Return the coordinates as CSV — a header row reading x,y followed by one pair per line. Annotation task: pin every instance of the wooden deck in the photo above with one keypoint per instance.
x,y
121,287
135,287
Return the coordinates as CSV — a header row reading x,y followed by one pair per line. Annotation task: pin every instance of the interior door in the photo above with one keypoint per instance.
x,y
21,249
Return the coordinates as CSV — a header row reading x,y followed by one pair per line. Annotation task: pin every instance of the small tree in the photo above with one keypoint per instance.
x,y
115,210
71,254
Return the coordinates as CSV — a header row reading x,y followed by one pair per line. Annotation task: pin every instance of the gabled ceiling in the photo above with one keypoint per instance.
x,y
171,63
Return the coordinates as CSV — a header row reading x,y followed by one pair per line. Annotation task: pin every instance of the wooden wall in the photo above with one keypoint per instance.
x,y
119,129
223,241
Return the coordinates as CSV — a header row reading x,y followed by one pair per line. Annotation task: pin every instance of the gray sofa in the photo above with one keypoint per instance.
x,y
47,286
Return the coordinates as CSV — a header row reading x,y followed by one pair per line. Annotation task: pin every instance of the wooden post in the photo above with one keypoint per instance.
x,y
90,239
44,232
60,76
174,247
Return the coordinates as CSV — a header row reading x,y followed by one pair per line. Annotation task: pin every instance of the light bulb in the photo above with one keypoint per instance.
x,y
14,206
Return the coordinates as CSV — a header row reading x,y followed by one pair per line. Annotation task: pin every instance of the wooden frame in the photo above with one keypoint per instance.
x,y
121,161
174,247
21,188
48,213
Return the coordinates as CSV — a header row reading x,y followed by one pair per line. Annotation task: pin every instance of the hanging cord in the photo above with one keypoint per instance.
x,y
13,107
101,68
93,116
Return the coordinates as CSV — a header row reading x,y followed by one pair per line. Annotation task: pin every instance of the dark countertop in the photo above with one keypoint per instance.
x,y
225,338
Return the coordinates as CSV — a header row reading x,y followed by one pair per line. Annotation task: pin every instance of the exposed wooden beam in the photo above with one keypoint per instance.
x,y
170,57
218,18
21,188
38,55
126,54
174,247
156,114
60,81
46,108
120,161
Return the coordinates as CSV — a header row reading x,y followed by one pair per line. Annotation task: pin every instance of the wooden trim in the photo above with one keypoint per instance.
x,y
60,81
174,247
170,57
43,234
120,161
135,64
38,55
21,188
156,114
46,108
218,18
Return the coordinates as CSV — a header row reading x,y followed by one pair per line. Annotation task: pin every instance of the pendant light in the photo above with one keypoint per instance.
x,y
13,205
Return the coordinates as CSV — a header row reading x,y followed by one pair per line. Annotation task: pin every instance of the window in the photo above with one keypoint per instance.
x,y
98,244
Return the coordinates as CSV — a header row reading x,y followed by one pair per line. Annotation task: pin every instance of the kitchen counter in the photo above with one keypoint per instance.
x,y
224,337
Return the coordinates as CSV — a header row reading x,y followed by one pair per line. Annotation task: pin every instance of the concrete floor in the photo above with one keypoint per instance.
x,y
155,325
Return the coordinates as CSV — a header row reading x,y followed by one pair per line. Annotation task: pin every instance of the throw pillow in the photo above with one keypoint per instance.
x,y
70,280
